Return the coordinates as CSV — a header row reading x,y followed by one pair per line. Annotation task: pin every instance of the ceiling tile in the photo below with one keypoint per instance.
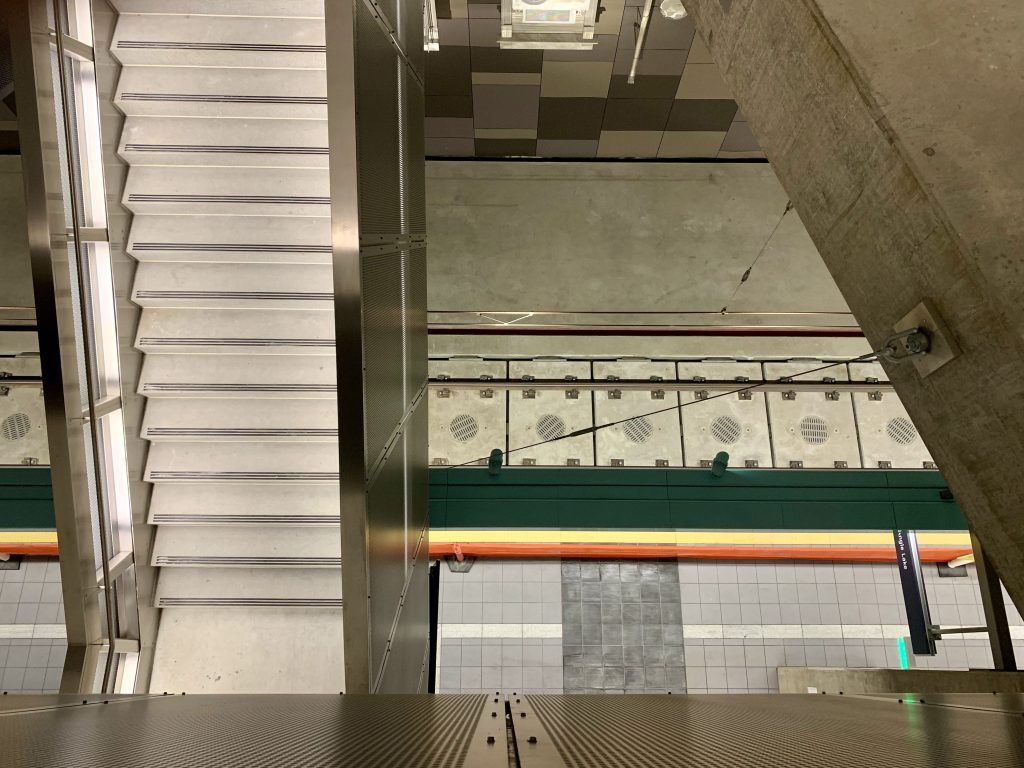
x,y
576,78
644,87
447,71
629,143
702,81
603,51
448,127
611,17
636,114
449,106
668,62
740,139
484,32
699,53
567,118
497,60
477,11
450,147
451,32
701,115
691,143
665,33
566,148
506,148
505,106
505,133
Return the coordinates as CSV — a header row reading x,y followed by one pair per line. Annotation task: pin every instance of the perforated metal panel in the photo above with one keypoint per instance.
x,y
767,731
810,428
415,298
22,426
733,424
888,438
466,424
382,348
641,441
377,126
544,414
311,731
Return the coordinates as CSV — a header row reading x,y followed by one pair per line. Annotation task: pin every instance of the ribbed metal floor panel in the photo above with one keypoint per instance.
x,y
451,731
254,732
767,731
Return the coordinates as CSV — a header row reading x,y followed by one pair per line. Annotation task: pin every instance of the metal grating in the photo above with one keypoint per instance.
x,y
814,430
726,430
464,427
768,731
638,430
901,431
251,731
15,426
550,426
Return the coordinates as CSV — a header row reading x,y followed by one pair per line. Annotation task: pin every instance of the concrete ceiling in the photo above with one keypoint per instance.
x,y
487,102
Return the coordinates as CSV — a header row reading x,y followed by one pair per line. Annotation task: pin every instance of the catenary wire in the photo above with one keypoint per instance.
x,y
746,275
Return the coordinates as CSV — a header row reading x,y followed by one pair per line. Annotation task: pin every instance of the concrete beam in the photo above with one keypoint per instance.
x,y
894,128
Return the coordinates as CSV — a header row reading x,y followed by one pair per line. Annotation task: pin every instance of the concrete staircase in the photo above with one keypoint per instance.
x,y
225,134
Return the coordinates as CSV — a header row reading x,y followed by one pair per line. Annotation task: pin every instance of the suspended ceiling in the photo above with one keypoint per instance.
x,y
487,102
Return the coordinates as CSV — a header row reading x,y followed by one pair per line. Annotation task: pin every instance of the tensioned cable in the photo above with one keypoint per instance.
x,y
597,427
746,275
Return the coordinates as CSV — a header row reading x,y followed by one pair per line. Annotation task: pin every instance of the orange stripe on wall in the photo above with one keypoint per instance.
x,y
654,551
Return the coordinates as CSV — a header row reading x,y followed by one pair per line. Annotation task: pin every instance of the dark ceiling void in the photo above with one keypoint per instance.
x,y
483,101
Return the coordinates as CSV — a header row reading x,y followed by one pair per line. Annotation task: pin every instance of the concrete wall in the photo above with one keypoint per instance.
x,y
895,127
704,627
625,237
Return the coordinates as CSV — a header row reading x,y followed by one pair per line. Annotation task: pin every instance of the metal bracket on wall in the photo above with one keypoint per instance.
x,y
942,345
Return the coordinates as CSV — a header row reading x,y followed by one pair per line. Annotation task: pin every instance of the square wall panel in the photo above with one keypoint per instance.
x,y
811,428
888,438
731,424
544,414
23,427
642,440
466,424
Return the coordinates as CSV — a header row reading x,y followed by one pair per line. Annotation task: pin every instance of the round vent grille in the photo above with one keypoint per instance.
x,y
814,430
15,426
464,427
726,430
550,426
638,430
901,431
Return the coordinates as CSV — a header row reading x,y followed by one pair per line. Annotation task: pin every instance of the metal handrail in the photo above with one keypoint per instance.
x,y
83,298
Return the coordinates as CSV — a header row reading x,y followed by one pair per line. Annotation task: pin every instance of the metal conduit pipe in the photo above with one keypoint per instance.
x,y
645,19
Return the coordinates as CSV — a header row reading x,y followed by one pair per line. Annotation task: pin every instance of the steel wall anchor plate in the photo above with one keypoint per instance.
x,y
944,347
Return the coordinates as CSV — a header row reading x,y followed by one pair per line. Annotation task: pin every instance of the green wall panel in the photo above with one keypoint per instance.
x,y
26,498
620,498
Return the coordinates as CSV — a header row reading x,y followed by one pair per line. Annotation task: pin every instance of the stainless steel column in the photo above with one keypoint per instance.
x,y
378,231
